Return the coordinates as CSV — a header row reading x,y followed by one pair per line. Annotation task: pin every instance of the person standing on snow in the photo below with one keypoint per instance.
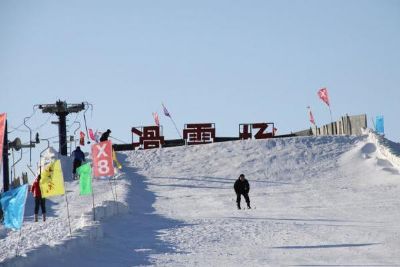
x,y
79,157
242,187
105,135
39,201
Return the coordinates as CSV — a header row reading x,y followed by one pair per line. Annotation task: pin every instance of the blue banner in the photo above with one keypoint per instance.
x,y
13,205
379,126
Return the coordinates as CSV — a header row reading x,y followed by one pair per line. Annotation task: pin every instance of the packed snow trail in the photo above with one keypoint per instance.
x,y
318,201
315,203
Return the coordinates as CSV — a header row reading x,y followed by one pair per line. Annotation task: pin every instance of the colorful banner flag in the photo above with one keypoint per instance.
x,y
119,166
156,118
91,135
102,159
52,180
311,116
379,125
323,95
85,179
3,117
97,136
82,138
166,113
13,205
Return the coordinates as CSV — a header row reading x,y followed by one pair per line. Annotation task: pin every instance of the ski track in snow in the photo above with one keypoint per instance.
x,y
316,201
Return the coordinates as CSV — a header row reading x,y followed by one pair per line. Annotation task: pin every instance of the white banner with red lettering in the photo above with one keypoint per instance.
x,y
102,159
3,117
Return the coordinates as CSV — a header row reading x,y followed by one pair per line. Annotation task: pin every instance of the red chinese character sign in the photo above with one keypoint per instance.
x,y
102,159
256,130
149,137
200,133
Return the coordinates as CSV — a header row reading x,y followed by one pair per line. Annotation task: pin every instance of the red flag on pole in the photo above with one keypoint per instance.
x,y
3,118
323,95
82,138
311,116
156,118
91,135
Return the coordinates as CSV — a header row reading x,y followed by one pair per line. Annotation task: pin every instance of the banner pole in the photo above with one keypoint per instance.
x,y
332,130
112,189
94,210
20,230
66,200
19,242
116,195
176,127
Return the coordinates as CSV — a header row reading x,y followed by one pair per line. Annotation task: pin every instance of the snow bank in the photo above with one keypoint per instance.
x,y
317,201
387,148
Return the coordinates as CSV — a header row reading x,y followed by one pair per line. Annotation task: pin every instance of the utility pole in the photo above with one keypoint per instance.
x,y
6,178
62,109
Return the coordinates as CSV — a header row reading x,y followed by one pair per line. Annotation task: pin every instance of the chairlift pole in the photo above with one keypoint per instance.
x,y
6,175
62,109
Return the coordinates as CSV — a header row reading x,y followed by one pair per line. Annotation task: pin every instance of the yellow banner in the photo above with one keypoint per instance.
x,y
119,166
52,180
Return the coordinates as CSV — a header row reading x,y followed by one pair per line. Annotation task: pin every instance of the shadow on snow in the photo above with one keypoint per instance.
x,y
130,239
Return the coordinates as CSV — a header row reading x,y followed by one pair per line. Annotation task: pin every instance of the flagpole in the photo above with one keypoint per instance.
x,y
94,210
66,200
112,189
312,120
332,130
176,127
116,195
20,230
19,242
166,113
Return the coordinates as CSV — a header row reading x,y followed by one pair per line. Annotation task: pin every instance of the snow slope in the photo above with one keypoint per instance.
x,y
316,201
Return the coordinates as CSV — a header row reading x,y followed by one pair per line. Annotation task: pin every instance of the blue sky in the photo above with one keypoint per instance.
x,y
225,62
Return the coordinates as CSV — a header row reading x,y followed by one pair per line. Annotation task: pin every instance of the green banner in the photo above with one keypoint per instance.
x,y
85,179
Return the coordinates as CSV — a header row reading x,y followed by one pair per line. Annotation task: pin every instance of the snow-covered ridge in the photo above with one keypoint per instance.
x,y
387,148
317,201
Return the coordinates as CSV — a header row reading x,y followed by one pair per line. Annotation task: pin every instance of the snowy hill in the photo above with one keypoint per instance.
x,y
316,201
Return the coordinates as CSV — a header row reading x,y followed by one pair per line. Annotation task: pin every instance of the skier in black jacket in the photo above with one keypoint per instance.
x,y
242,187
105,135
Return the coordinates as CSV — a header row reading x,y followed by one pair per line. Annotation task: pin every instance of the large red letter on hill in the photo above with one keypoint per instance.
x,y
102,159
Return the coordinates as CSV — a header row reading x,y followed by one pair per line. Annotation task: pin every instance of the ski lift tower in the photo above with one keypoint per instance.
x,y
62,109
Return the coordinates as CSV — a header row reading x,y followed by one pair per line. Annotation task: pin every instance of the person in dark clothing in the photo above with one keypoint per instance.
x,y
242,187
39,201
105,135
79,157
